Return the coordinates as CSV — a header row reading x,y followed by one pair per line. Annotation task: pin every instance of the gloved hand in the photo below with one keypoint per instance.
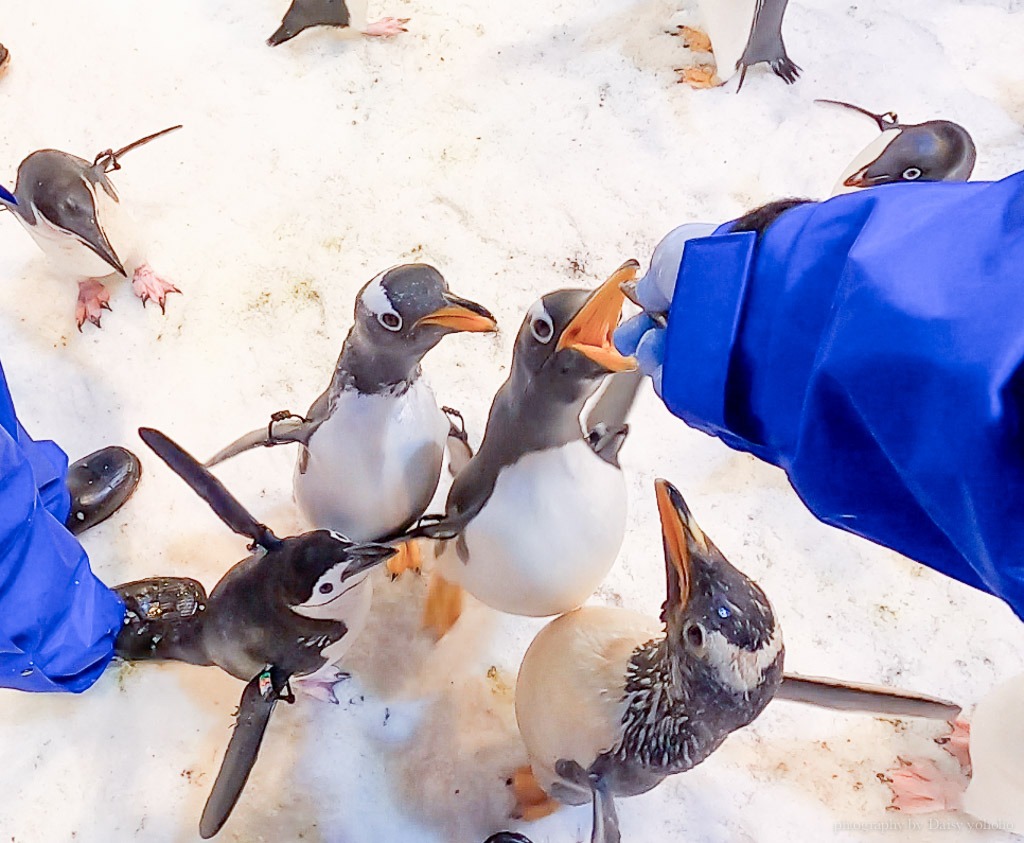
x,y
643,336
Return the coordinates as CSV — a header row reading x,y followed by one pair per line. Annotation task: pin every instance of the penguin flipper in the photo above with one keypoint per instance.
x,y
278,432
765,42
606,422
460,452
209,488
606,819
839,695
254,710
107,161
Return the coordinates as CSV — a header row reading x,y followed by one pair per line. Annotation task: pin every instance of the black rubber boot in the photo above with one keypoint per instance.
x,y
163,619
508,837
99,484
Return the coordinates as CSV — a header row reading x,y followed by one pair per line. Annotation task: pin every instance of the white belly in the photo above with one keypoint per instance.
x,y
864,157
352,608
547,536
728,24
374,464
569,695
70,257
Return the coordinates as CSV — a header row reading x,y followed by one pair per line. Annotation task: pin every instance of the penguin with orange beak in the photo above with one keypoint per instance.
x,y
535,519
372,445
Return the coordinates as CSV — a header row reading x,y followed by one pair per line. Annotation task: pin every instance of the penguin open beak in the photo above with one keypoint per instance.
x,y
460,315
366,556
7,196
681,537
590,331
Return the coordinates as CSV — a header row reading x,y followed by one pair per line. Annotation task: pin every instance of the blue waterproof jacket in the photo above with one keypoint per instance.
x,y
873,347
58,622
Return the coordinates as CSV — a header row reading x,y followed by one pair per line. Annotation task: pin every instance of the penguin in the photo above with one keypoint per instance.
x,y
747,32
73,212
936,150
377,425
303,14
282,616
610,702
535,519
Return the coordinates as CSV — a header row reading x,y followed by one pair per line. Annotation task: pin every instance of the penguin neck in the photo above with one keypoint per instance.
x,y
374,370
663,691
538,420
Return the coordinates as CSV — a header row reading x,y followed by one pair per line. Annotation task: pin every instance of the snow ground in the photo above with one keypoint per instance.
x,y
519,148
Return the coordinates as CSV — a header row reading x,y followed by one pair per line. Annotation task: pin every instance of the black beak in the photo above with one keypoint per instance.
x,y
367,556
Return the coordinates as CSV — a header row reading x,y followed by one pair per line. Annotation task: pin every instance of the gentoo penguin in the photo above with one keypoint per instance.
x,y
303,14
287,613
535,519
991,779
72,211
378,426
936,150
609,701
746,32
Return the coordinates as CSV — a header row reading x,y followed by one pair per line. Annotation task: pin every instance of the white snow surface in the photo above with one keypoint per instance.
x,y
519,148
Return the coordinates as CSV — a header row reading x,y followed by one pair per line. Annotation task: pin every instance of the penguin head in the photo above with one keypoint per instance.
x,y
721,630
565,341
934,151
322,566
408,309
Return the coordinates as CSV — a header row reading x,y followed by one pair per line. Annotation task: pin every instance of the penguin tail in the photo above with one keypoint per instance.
x,y
282,34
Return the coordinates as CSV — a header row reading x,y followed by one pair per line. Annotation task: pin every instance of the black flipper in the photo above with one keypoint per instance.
x,y
209,488
765,42
459,450
889,120
606,422
606,820
839,695
107,161
284,428
254,710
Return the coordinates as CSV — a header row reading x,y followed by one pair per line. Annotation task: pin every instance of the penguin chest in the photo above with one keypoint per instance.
x,y
547,536
728,24
350,607
68,253
372,466
570,694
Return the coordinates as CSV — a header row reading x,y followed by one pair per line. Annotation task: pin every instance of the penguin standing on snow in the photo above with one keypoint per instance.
x,y
372,445
535,519
72,211
936,150
747,32
304,14
287,613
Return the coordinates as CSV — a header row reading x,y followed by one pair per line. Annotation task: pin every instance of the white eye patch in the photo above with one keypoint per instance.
x,y
539,320
375,297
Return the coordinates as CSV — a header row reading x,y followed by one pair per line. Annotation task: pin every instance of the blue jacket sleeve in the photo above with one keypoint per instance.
x,y
58,622
873,347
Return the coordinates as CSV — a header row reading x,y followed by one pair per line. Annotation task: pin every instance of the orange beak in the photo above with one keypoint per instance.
x,y
674,530
590,331
460,315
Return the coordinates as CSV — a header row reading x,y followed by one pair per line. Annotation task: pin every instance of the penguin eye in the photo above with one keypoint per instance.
x,y
694,634
911,173
391,321
542,329
326,588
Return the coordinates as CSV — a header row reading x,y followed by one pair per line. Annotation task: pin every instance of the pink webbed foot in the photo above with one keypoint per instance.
x,y
386,27
93,299
148,285
958,743
920,787
320,685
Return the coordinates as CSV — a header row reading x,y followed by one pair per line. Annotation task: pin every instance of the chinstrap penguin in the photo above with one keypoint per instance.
x,y
284,615
304,14
372,445
73,212
936,150
535,519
